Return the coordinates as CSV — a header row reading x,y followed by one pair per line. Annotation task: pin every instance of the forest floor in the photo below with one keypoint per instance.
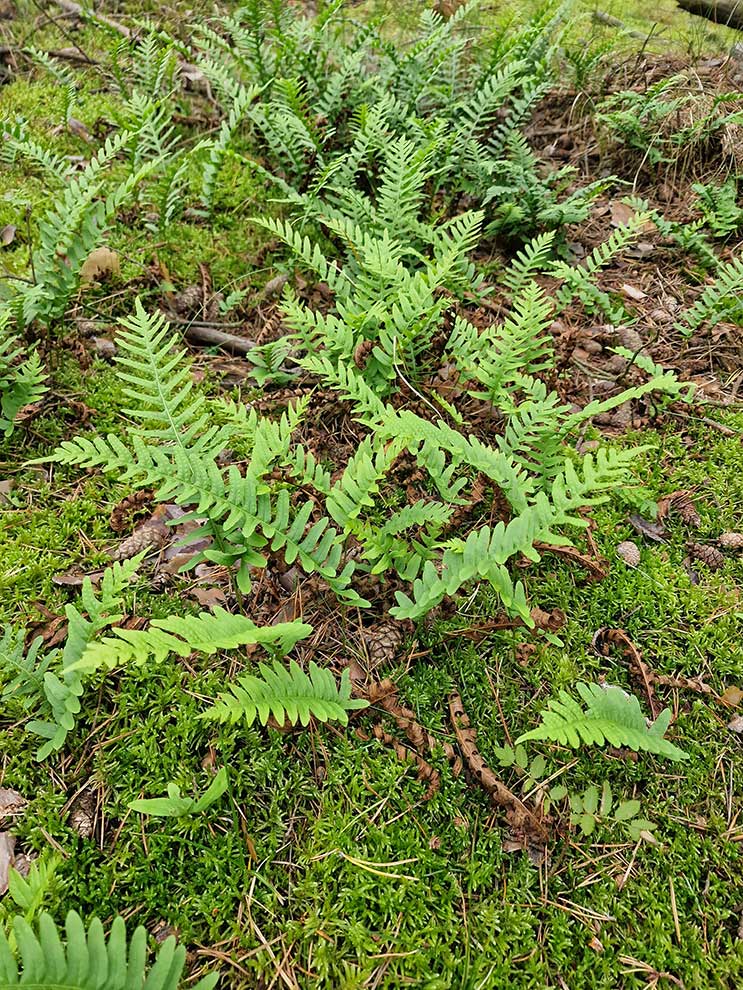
x,y
329,864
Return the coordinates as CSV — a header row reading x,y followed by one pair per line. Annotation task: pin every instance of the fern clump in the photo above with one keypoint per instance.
x,y
87,960
610,716
50,684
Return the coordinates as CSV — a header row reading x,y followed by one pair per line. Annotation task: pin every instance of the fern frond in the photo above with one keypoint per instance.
x,y
610,715
87,960
204,633
717,300
287,695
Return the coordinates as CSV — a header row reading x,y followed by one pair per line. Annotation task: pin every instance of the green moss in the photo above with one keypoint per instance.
x,y
324,858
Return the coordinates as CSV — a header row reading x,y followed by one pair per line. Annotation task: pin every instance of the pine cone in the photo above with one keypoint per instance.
x,y
361,352
629,553
731,541
150,536
123,513
188,300
710,556
682,504
383,642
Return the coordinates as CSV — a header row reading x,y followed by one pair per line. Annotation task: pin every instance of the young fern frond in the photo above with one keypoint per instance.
x,y
16,143
531,260
286,695
578,281
610,716
22,377
219,147
51,684
87,960
718,300
204,633
158,383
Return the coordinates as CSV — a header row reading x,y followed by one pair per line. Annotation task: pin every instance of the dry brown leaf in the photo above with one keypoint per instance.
x,y
208,597
100,263
732,696
653,530
596,567
621,213
74,578
633,293
78,128
7,859
7,234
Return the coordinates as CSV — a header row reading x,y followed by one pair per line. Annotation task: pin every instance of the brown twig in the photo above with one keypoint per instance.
x,y
596,568
524,823
425,771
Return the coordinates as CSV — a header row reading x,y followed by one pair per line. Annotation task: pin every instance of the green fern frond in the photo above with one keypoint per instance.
x,y
717,300
287,695
204,633
87,960
610,715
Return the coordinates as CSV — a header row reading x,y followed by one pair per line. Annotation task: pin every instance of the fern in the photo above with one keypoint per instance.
x,y
287,695
610,716
22,378
17,143
51,685
578,281
718,300
719,206
205,633
70,231
87,960
219,148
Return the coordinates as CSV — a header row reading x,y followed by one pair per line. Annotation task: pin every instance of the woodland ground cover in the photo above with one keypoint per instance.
x,y
372,316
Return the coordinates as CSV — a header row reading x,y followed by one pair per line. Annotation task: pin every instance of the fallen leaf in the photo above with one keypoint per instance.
x,y
641,250
631,292
74,578
653,530
100,263
208,597
78,128
732,696
7,858
7,234
736,724
11,802
621,213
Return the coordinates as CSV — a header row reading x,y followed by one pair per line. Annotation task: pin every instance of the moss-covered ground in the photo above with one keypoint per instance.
x,y
324,867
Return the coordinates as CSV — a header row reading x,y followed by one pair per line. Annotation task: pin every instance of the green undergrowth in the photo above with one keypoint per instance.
x,y
323,866
326,841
